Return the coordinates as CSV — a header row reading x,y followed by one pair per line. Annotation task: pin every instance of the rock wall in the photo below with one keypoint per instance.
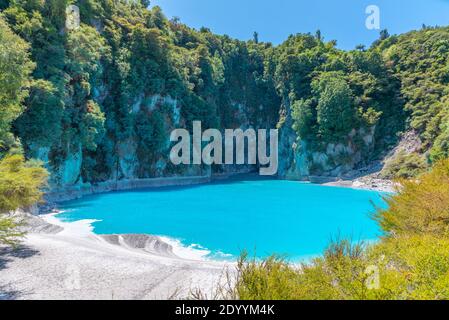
x,y
66,193
66,176
299,161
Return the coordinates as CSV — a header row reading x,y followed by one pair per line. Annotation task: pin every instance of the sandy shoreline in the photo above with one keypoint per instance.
x,y
74,263
378,185
59,260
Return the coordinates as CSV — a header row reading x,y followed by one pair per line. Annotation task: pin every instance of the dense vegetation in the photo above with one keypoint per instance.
x,y
333,92
95,89
20,187
410,262
104,97
20,181
420,60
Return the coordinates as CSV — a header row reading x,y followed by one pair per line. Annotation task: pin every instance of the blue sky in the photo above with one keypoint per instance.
x,y
274,20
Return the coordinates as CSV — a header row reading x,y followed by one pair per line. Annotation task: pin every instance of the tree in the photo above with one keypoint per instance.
x,y
303,118
20,186
440,149
175,20
256,37
41,121
85,49
335,110
15,69
384,35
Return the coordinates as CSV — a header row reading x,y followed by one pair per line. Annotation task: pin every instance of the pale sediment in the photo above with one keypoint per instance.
x,y
362,183
68,261
379,185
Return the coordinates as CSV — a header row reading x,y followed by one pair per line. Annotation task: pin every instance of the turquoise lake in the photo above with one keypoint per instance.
x,y
261,216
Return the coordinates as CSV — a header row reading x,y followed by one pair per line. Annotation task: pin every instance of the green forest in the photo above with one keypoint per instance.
x,y
98,103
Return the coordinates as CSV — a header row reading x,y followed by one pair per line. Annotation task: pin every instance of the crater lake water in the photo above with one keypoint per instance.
x,y
261,216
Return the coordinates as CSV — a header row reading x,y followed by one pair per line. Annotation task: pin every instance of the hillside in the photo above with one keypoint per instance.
x,y
99,103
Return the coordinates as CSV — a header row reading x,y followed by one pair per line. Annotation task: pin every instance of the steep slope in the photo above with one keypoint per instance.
x,y
104,98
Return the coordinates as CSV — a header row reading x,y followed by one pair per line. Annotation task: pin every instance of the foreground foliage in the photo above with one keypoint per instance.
x,y
421,207
20,187
20,181
410,262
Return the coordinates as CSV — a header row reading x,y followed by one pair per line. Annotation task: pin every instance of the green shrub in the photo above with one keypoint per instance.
x,y
413,268
408,267
410,262
405,166
271,279
421,206
20,186
336,114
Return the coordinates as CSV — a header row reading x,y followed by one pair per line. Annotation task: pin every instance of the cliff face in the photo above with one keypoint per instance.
x,y
106,111
68,174
298,160
104,98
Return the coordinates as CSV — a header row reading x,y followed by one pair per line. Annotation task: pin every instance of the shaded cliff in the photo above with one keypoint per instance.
x,y
104,98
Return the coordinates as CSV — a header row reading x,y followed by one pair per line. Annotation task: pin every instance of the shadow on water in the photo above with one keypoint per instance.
x,y
235,179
